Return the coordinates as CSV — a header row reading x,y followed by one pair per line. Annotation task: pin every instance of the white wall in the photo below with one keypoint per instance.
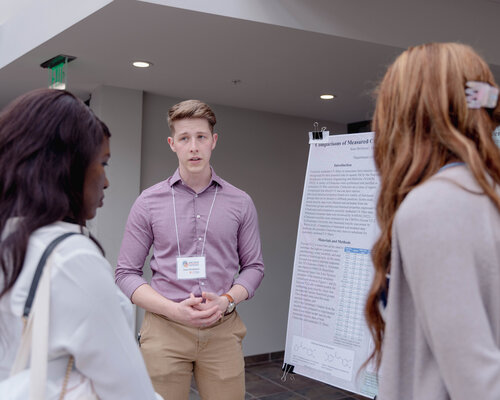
x,y
266,155
25,24
121,110
371,21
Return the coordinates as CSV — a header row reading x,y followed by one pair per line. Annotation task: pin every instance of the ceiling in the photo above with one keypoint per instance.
x,y
199,55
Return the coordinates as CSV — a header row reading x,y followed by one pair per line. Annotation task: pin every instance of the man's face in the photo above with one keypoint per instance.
x,y
193,143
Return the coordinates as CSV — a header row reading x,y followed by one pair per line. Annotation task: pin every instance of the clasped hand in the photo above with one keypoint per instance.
x,y
201,312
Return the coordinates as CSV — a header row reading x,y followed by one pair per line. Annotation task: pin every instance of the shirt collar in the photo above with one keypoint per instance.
x,y
176,177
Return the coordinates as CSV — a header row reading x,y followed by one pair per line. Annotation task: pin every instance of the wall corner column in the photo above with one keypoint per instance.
x,y
121,110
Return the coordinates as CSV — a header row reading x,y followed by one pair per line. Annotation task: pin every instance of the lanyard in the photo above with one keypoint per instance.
x,y
206,228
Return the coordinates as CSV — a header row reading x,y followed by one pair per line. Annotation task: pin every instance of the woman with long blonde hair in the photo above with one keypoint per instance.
x,y
437,259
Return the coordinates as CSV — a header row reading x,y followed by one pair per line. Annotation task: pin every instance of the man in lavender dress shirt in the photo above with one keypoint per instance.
x,y
206,259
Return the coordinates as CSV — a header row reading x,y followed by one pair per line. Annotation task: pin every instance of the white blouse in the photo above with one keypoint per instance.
x,y
90,318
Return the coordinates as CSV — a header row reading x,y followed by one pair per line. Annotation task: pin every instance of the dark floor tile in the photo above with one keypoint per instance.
x,y
263,382
284,396
272,371
324,392
258,386
296,382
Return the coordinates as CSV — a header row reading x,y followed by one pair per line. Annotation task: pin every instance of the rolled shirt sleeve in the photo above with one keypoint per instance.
x,y
249,250
137,240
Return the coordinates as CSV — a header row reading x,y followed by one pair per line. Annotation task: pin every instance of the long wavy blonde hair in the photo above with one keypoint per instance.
x,y
422,122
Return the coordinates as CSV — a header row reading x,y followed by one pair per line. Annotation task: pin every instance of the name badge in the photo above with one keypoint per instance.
x,y
191,268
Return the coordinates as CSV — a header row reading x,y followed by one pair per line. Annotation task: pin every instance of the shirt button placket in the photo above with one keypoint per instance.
x,y
197,227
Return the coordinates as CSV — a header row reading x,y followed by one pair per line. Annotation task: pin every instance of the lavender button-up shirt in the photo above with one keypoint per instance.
x,y
232,248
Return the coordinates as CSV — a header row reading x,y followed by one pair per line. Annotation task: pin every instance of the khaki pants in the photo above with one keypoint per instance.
x,y
174,352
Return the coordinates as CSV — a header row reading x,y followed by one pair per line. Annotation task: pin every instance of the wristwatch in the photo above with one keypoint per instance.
x,y
231,305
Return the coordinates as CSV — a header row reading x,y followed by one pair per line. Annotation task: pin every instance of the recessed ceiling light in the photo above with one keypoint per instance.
x,y
327,96
142,64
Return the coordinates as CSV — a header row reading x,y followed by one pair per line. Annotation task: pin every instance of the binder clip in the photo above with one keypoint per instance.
x,y
318,135
287,369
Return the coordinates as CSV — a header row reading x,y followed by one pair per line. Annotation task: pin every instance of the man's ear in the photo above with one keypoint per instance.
x,y
215,136
170,141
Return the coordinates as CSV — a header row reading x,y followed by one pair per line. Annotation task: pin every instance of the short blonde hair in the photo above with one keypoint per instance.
x,y
191,109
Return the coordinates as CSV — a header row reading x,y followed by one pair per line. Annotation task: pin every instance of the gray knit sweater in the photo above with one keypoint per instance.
x,y
442,337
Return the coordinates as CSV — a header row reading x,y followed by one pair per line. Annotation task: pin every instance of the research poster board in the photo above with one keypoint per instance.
x,y
327,337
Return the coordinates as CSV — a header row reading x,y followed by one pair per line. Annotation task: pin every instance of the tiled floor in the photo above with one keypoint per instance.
x,y
263,382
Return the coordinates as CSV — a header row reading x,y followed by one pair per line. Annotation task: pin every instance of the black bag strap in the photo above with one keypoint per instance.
x,y
39,270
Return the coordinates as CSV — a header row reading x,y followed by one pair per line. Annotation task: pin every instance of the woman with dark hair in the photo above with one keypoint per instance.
x,y
438,253
53,153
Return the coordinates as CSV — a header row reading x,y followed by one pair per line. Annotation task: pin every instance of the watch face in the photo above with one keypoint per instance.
x,y
230,307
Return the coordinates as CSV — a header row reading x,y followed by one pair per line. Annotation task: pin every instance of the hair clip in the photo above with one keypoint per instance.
x,y
481,94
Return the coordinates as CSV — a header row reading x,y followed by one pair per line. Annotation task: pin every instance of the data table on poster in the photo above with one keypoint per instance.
x,y
355,283
327,336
